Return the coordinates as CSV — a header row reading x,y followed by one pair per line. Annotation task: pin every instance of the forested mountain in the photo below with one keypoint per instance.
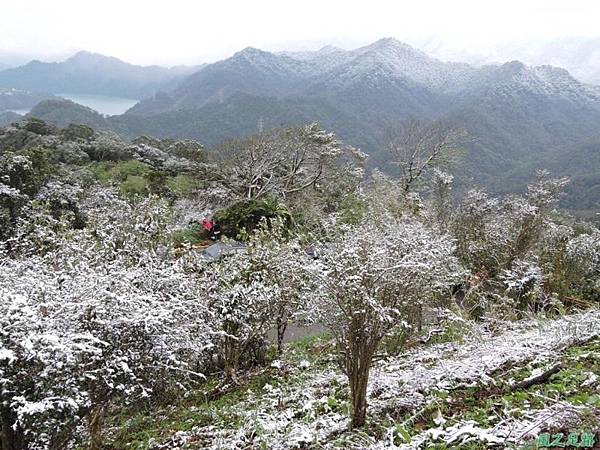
x,y
90,73
12,99
8,117
519,118
63,112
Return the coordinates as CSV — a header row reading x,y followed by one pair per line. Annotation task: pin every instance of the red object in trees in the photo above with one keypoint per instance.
x,y
207,224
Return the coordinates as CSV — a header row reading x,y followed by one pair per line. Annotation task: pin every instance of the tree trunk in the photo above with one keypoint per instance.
x,y
281,327
95,427
231,353
10,438
358,379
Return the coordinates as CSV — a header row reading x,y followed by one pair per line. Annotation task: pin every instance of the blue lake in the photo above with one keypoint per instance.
x,y
104,104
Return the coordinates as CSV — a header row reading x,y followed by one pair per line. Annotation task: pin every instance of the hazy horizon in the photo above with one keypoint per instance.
x,y
190,33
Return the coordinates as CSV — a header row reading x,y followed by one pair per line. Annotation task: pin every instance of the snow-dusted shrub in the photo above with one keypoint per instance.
x,y
524,282
21,176
107,146
23,171
373,279
102,318
62,199
494,237
492,233
11,203
254,290
584,254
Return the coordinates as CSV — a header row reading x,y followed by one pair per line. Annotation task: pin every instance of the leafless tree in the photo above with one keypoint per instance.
x,y
280,162
416,147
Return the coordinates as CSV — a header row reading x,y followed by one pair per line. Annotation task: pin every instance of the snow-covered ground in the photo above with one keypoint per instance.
x,y
302,405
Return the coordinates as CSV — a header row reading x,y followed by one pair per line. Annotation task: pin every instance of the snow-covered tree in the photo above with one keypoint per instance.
x,y
583,253
373,279
496,236
277,162
254,290
102,318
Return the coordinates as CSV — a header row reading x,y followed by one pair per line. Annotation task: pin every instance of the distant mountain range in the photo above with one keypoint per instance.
x,y
520,118
580,56
90,73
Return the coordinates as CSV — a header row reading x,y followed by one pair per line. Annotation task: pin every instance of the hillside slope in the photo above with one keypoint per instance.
x,y
447,395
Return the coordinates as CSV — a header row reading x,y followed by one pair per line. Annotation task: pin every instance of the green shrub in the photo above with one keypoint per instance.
x,y
352,210
157,183
124,169
107,172
77,131
183,185
39,127
244,216
191,235
102,172
134,185
188,149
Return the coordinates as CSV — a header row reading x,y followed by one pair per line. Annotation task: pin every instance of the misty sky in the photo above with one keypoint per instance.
x,y
193,31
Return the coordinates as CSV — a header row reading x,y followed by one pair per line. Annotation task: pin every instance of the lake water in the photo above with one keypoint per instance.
x,y
104,104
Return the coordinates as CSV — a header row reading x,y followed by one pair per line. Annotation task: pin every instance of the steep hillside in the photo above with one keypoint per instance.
x,y
250,71
452,395
62,112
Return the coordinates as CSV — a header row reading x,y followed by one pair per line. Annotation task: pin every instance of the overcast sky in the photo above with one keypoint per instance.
x,y
192,31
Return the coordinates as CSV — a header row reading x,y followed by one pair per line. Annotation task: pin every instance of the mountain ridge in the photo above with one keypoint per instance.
x,y
93,73
517,115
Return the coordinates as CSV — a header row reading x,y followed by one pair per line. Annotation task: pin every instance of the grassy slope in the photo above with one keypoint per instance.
x,y
447,395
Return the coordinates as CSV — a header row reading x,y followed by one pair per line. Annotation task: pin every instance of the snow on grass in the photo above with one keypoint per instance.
x,y
448,366
307,406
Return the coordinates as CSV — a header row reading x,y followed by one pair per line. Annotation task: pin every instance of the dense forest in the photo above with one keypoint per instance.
x,y
425,316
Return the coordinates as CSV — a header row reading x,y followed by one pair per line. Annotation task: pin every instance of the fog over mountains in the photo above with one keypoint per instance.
x,y
519,117
580,56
